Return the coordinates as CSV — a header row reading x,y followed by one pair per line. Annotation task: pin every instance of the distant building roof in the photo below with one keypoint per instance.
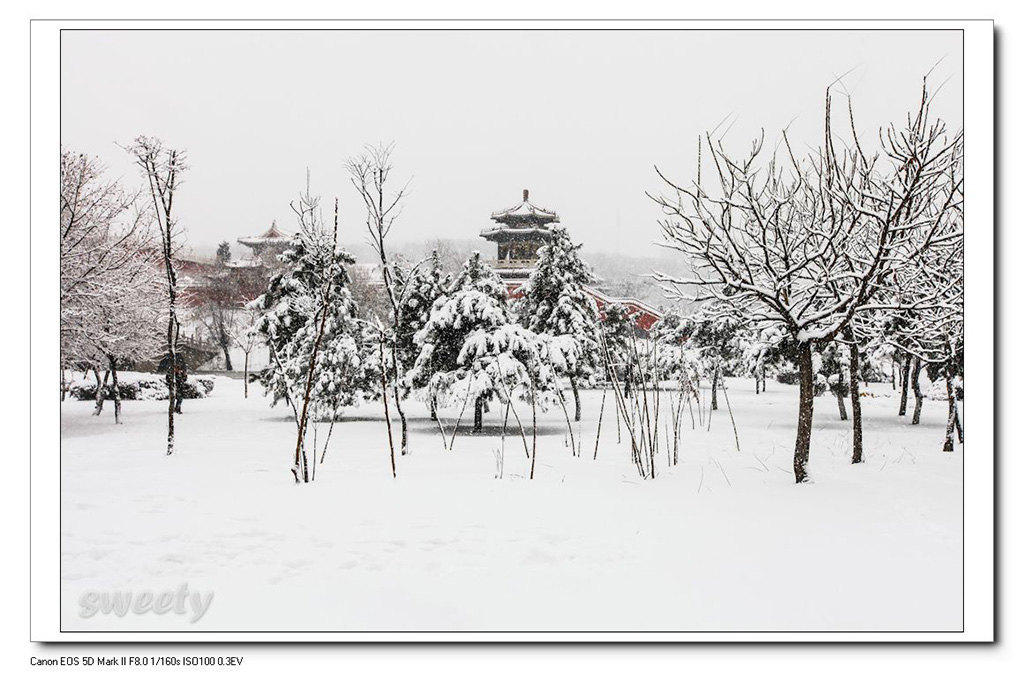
x,y
525,212
269,237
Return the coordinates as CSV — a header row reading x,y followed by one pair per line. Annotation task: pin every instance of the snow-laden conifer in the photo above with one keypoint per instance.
x,y
555,303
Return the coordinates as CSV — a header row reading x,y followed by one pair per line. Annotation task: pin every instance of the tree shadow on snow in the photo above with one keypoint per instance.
x,y
425,425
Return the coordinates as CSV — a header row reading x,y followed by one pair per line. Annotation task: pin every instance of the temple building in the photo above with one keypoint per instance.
x,y
269,244
519,233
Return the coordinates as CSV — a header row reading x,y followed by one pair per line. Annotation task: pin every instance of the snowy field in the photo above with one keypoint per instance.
x,y
725,541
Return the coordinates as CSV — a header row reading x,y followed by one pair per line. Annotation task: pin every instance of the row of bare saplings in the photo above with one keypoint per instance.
x,y
650,416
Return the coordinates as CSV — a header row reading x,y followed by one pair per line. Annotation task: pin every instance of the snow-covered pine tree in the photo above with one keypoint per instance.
x,y
618,330
419,289
308,321
676,359
712,332
760,352
477,302
555,304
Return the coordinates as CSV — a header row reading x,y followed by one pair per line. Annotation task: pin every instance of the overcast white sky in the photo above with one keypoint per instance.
x,y
578,117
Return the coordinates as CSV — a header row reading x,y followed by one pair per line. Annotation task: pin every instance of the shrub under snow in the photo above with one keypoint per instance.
x,y
133,386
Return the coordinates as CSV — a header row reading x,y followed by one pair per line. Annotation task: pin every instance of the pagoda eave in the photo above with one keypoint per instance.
x,y
257,241
500,234
531,218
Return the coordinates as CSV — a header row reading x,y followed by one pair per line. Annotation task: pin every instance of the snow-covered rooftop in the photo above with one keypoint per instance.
x,y
271,236
525,212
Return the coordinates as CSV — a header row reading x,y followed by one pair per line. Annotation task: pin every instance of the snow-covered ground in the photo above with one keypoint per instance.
x,y
725,541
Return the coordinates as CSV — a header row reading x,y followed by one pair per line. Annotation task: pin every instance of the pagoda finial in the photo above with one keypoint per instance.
x,y
526,195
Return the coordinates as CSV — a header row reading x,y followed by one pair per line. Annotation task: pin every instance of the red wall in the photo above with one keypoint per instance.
x,y
645,316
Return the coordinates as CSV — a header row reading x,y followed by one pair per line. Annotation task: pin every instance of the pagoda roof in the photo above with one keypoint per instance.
x,y
525,212
271,236
505,232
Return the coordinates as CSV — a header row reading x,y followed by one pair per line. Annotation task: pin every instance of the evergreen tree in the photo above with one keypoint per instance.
x,y
309,294
477,303
420,290
677,359
555,304
223,253
618,330
712,333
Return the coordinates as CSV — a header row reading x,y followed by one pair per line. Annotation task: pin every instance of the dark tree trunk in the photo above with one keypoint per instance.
x,y
478,414
600,417
387,413
115,390
245,376
952,422
575,396
172,380
301,465
398,398
101,385
533,408
226,347
906,386
433,409
957,422
803,428
714,389
915,379
842,404
858,423
63,384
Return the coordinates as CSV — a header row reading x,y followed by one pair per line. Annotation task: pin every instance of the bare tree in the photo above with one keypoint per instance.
x,y
810,243
162,169
370,173
110,295
102,233
245,338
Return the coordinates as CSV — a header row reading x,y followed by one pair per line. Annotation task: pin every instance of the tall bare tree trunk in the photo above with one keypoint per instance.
x,y
600,417
387,413
858,423
915,379
576,396
953,420
714,387
842,405
478,414
301,468
398,399
245,376
172,354
803,429
906,386
115,389
533,405
100,387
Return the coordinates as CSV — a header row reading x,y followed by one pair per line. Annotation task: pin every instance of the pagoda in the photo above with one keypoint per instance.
x,y
270,243
520,231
